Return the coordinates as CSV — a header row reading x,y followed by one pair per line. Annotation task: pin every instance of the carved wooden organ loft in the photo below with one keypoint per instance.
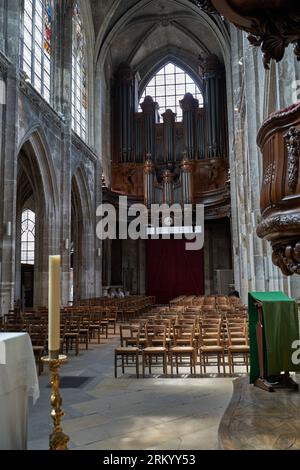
x,y
172,162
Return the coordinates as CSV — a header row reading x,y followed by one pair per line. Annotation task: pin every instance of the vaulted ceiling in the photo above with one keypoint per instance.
x,y
146,32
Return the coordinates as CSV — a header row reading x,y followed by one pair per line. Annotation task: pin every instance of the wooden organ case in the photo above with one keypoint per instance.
x,y
172,162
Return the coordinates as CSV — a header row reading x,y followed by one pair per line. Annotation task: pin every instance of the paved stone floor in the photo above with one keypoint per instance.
x,y
259,420
128,413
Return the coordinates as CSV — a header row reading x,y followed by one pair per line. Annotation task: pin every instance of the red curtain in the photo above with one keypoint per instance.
x,y
172,270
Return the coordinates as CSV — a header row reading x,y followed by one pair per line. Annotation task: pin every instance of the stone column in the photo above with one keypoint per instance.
x,y
10,18
150,110
98,245
189,107
63,76
125,94
214,106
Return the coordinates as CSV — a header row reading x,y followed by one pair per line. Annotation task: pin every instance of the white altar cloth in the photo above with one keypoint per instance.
x,y
18,381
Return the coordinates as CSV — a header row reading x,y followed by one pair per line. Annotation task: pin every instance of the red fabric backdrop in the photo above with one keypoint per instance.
x,y
172,270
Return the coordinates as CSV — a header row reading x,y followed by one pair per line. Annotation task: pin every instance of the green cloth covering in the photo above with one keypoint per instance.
x,y
281,328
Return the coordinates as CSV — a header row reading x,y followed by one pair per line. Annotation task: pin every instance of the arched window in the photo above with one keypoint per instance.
x,y
37,44
169,86
79,77
27,237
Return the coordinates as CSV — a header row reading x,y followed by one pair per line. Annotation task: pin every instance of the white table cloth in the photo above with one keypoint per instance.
x,y
18,381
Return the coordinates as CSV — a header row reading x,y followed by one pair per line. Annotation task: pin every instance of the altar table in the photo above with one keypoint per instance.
x,y
18,382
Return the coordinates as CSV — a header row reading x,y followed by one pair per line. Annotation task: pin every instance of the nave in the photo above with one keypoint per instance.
x,y
129,413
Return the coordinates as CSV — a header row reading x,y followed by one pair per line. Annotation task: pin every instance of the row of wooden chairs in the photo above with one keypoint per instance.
x,y
185,339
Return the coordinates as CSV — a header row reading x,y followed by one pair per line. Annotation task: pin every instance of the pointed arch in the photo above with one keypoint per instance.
x,y
37,183
82,231
150,67
35,144
80,181
168,86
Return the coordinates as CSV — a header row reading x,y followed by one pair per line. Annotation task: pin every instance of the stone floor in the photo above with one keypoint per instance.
x,y
260,420
128,413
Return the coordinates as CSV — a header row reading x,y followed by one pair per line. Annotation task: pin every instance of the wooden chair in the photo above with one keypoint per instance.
x,y
211,345
155,346
238,344
127,352
184,347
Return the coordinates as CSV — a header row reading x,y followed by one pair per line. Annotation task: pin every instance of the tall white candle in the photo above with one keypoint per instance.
x,y
54,303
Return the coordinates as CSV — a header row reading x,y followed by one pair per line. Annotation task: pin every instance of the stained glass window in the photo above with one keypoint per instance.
x,y
79,77
28,237
37,44
169,86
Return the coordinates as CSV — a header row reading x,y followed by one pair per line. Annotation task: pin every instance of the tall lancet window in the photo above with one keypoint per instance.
x,y
79,77
28,237
168,87
36,47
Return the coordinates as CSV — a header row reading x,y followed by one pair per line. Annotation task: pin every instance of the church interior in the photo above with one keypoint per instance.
x,y
129,106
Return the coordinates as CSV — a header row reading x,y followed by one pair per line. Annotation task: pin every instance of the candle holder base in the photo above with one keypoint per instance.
x,y
57,440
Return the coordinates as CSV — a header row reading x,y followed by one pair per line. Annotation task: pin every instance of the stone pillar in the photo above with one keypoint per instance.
x,y
63,100
150,110
8,186
125,94
3,17
214,106
98,245
169,135
189,107
186,177
149,176
10,14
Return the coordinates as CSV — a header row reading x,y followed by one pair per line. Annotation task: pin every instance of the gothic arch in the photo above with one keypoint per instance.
x,y
82,229
36,181
153,64
36,145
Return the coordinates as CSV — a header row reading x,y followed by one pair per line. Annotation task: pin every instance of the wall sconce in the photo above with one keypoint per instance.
x,y
67,244
99,252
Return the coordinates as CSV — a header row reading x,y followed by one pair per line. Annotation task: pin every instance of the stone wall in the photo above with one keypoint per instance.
x,y
41,158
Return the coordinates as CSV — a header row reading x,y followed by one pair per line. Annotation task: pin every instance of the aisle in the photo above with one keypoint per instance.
x,y
125,413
